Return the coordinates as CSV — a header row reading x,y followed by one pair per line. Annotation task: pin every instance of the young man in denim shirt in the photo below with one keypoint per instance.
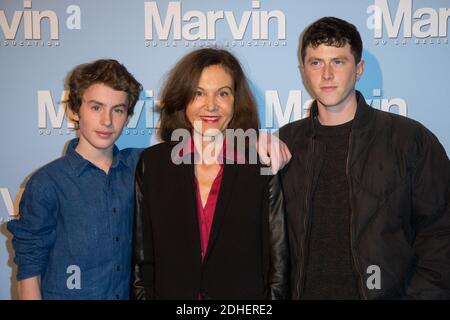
x,y
73,238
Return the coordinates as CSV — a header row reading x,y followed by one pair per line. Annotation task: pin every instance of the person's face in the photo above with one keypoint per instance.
x,y
101,118
330,74
213,103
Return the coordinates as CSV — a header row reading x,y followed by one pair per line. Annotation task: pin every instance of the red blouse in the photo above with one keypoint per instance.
x,y
206,214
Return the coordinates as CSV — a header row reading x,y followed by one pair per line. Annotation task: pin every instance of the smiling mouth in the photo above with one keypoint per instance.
x,y
210,119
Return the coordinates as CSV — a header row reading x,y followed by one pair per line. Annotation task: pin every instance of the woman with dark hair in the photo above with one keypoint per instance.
x,y
208,224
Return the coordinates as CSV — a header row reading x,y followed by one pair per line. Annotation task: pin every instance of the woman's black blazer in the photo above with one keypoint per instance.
x,y
247,254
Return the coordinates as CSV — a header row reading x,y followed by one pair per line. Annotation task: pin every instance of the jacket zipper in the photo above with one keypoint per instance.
x,y
354,258
306,226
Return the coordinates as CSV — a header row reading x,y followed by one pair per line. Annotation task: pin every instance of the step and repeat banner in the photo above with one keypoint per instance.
x,y
406,53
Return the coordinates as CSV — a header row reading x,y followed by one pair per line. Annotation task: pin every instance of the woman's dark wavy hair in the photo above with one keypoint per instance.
x,y
335,32
107,71
182,81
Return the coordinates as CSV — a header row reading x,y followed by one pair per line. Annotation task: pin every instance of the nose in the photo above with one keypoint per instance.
x,y
106,118
211,103
327,72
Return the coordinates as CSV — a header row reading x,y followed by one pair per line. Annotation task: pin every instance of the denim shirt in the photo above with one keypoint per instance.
x,y
75,227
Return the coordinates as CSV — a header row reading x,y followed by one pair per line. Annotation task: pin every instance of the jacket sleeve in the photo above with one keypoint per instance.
x,y
142,268
431,218
278,242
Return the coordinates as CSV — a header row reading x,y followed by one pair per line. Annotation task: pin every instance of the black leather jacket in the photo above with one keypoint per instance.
x,y
398,177
278,273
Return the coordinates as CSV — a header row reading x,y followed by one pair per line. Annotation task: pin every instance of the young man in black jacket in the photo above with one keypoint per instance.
x,y
366,192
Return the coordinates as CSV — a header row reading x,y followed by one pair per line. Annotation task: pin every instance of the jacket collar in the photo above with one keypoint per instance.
x,y
364,114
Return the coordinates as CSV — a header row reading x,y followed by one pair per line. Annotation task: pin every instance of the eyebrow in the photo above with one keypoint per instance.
x,y
101,103
228,87
334,58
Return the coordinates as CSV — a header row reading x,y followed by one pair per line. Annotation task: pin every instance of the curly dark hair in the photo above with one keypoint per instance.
x,y
107,71
182,81
332,31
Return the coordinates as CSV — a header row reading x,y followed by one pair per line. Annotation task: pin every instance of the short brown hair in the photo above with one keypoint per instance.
x,y
107,71
182,81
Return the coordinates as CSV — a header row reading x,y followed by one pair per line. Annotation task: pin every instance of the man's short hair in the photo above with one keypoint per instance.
x,y
107,71
332,31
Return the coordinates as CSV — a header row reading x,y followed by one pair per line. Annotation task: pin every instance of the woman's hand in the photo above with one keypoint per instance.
x,y
272,151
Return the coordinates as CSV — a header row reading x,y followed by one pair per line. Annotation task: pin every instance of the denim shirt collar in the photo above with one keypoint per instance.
x,y
79,164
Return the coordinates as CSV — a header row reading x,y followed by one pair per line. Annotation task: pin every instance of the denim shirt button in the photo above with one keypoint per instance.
x,y
118,268
117,239
114,210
